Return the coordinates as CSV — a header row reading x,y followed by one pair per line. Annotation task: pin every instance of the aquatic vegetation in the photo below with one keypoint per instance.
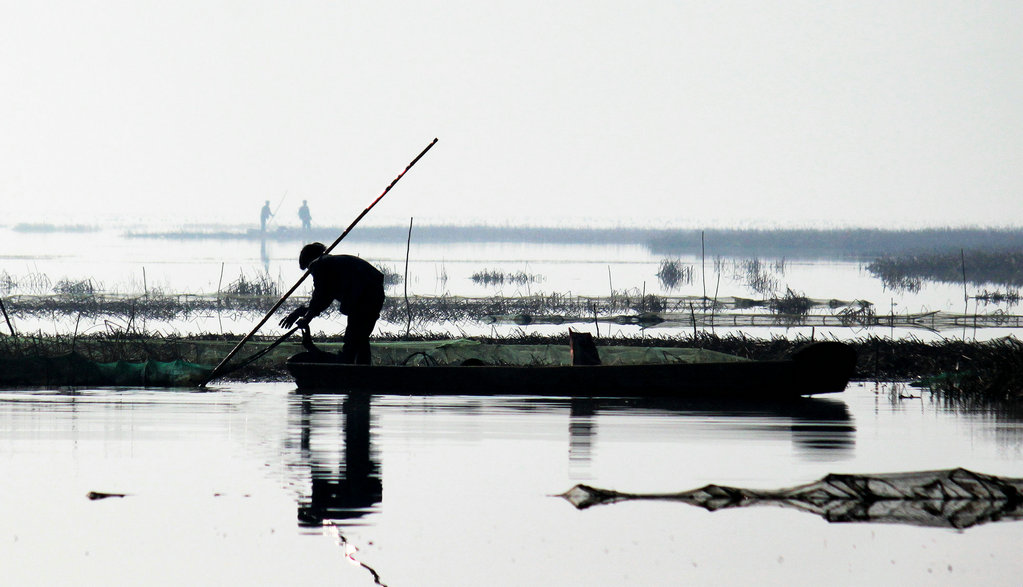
x,y
859,313
792,304
262,285
31,283
757,277
83,287
496,277
984,372
7,283
1010,297
673,273
391,277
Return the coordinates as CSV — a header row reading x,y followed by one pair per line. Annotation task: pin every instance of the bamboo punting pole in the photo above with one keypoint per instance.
x,y
219,369
408,306
7,318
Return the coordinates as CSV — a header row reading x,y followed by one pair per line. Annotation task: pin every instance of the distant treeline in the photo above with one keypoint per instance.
x,y
827,243
791,243
971,266
42,227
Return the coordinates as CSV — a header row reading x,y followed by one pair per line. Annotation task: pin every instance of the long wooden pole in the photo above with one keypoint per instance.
x,y
408,306
8,318
219,369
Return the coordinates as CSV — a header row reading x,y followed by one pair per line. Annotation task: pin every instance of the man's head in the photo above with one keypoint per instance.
x,y
310,253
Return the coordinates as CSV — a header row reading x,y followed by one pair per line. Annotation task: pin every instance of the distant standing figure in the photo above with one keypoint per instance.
x,y
303,214
264,215
358,288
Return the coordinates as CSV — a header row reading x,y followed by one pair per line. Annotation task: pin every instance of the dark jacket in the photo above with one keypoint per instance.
x,y
351,281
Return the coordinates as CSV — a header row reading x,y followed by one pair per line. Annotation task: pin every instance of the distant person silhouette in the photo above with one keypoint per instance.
x,y
303,214
264,215
357,286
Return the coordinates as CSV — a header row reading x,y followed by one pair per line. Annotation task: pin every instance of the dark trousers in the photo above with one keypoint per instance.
x,y
362,318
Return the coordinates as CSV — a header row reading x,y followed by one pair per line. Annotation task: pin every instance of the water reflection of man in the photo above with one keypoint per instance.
x,y
355,488
264,216
358,288
264,256
304,216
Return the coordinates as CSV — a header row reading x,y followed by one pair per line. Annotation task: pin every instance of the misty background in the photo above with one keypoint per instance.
x,y
572,113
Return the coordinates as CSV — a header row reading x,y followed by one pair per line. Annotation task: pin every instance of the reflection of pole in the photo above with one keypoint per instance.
x,y
581,430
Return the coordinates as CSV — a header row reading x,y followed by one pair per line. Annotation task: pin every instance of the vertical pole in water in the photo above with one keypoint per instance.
x,y
220,318
703,268
219,283
966,298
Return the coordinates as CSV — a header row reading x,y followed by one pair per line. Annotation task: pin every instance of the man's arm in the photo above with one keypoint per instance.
x,y
319,302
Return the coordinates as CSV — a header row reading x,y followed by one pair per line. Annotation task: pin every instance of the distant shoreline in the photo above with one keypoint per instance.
x,y
807,243
857,243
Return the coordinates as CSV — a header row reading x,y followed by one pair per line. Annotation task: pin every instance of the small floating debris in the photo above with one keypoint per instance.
x,y
94,495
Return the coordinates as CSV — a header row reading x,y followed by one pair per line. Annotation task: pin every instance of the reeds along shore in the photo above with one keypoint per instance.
x,y
958,371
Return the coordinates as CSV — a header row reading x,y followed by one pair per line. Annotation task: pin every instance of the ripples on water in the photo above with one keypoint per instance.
x,y
256,484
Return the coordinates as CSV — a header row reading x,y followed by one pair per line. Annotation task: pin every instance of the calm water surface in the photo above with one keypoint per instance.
x,y
254,483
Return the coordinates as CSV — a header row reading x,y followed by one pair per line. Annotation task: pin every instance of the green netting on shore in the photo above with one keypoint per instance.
x,y
74,369
179,373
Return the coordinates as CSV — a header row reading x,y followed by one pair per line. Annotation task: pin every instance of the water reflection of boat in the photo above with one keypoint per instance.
x,y
817,368
346,484
954,498
822,428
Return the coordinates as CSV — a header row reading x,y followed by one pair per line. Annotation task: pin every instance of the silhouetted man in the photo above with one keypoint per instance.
x,y
304,216
355,284
264,216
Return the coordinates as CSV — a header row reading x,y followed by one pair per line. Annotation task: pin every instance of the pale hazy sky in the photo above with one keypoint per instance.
x,y
716,113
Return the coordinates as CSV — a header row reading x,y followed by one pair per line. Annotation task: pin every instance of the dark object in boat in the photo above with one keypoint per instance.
x,y
823,367
582,348
953,498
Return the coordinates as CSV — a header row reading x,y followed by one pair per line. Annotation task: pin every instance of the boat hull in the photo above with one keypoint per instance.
x,y
817,369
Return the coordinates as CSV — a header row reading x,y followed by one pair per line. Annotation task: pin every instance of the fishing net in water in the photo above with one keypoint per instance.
x,y
74,369
953,498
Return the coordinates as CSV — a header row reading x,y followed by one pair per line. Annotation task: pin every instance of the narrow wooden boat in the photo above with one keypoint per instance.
x,y
817,368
